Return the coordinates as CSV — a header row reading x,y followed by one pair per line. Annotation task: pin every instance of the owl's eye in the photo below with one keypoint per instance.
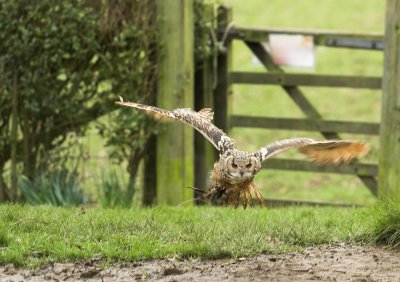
x,y
234,165
248,165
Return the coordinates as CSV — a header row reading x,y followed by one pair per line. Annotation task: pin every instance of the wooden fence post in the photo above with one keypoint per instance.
x,y
389,162
149,189
175,90
204,152
223,91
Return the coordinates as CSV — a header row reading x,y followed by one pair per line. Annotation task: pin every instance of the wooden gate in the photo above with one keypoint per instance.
x,y
290,82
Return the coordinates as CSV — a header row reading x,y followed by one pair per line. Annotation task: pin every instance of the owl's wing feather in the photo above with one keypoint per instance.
x,y
332,152
201,121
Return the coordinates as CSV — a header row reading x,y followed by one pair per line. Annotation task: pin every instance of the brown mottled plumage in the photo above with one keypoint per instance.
x,y
232,176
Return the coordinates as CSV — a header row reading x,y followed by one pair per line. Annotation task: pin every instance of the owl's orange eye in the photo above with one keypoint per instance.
x,y
234,165
248,165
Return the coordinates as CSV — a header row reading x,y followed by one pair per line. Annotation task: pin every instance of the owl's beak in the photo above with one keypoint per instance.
x,y
241,172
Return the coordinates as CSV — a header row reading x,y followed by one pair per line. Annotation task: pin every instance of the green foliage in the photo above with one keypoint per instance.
x,y
46,53
59,188
204,24
127,131
112,192
68,61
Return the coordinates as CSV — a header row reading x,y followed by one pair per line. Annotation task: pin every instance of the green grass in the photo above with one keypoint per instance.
x,y
30,236
384,226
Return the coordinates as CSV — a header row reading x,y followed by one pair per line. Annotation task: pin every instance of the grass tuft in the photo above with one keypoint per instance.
x,y
385,224
4,238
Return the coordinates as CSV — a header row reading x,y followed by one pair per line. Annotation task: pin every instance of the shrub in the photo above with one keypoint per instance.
x,y
67,61
112,192
59,188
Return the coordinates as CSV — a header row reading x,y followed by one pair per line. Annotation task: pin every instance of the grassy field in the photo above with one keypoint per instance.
x,y
30,236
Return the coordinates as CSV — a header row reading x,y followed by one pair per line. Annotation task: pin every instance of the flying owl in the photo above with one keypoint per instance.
x,y
232,178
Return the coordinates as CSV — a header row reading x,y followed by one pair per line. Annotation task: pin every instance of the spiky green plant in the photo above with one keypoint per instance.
x,y
112,192
58,188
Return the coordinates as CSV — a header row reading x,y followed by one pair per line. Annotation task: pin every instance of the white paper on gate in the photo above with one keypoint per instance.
x,y
291,50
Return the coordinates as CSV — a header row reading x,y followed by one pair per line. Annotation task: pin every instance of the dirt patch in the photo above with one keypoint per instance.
x,y
323,263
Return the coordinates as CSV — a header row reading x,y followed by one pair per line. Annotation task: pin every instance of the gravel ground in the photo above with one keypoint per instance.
x,y
322,263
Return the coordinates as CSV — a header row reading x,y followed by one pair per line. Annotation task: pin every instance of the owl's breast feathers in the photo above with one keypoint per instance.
x,y
223,192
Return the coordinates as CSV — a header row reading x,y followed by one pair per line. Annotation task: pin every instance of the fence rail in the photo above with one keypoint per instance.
x,y
365,169
371,41
315,80
368,128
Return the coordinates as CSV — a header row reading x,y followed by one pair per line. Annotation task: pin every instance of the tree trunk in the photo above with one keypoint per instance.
x,y
150,172
132,168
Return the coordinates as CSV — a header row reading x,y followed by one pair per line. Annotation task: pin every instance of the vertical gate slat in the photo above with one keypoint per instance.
x,y
223,90
204,153
389,168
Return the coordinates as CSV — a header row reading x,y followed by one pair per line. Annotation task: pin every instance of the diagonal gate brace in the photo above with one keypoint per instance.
x,y
303,103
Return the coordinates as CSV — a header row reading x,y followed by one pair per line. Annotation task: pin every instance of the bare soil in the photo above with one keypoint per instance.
x,y
322,263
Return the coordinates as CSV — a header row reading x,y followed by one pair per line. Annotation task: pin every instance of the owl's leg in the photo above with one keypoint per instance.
x,y
233,197
258,195
236,201
248,197
252,191
243,198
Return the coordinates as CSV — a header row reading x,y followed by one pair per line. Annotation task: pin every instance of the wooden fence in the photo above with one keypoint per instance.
x,y
219,97
291,82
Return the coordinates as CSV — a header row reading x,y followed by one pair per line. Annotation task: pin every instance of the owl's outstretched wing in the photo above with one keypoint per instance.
x,y
201,121
333,152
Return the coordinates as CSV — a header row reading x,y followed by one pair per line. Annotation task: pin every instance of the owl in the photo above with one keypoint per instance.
x,y
232,177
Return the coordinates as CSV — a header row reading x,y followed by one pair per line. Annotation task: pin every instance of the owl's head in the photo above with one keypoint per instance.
x,y
241,167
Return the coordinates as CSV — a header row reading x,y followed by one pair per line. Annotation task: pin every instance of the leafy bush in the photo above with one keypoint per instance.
x,y
112,193
59,188
68,61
